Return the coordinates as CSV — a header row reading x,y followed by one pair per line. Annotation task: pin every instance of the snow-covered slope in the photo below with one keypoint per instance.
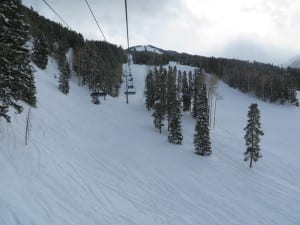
x,y
146,48
106,164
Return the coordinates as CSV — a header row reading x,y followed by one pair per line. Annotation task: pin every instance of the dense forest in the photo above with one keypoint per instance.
x,y
26,36
97,64
265,81
170,92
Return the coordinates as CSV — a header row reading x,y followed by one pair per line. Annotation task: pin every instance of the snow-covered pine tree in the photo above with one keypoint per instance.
x,y
16,73
175,131
252,136
186,95
199,81
202,143
171,93
64,78
161,96
40,51
179,86
191,87
149,91
158,115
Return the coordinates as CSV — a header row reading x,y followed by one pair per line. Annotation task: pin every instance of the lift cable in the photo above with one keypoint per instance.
x,y
98,25
56,13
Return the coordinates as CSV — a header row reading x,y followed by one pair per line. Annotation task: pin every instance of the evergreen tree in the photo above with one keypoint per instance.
x,y
175,131
40,51
186,95
149,91
191,87
161,96
179,86
64,78
199,81
171,93
202,136
252,136
158,115
16,73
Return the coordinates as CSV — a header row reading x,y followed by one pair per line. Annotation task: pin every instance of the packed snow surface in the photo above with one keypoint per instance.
x,y
105,164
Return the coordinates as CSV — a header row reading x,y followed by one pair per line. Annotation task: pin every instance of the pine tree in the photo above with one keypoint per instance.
x,y
202,137
149,91
179,86
252,136
40,51
191,87
186,95
199,82
158,115
16,73
171,93
64,78
175,131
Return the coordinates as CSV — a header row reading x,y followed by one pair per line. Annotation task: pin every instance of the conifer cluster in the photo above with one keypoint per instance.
x,y
169,93
16,73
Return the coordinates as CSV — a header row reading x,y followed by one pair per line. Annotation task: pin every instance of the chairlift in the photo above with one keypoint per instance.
x,y
95,98
130,92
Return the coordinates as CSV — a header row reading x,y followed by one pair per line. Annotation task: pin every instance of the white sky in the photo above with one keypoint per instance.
x,y
263,30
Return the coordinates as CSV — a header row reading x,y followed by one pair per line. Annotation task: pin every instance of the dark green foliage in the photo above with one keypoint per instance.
x,y
99,63
149,91
179,85
171,94
252,136
265,81
93,61
64,75
186,93
16,73
175,131
160,106
59,38
149,58
202,143
199,81
158,115
40,51
64,78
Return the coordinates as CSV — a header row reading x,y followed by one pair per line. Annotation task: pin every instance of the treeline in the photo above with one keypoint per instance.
x,y
97,64
58,37
265,81
16,73
149,58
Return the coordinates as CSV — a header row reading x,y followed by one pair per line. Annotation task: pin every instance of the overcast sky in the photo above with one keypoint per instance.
x,y
263,30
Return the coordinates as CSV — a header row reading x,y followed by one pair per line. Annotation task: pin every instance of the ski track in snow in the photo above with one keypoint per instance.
x,y
106,164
